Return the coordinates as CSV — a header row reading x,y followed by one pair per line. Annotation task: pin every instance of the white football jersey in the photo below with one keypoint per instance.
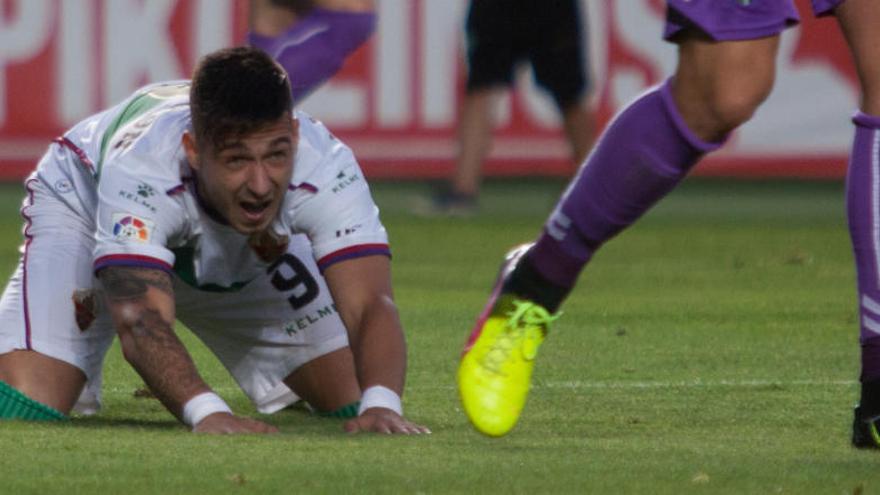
x,y
148,213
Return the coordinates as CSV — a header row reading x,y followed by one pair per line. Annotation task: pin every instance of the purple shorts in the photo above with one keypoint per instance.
x,y
729,20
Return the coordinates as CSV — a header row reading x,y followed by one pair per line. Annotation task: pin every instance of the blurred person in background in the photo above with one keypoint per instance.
x,y
500,35
726,67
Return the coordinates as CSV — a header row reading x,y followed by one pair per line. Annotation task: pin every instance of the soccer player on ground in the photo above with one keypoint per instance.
x,y
726,64
310,38
500,35
181,202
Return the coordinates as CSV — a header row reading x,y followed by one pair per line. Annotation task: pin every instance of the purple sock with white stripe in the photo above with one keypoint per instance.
x,y
863,212
642,155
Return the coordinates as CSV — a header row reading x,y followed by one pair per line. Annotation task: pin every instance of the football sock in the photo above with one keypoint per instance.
x,y
315,47
869,403
643,154
526,282
863,213
16,405
347,411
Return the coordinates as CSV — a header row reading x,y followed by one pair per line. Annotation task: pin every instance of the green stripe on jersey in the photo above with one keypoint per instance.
x,y
137,107
185,268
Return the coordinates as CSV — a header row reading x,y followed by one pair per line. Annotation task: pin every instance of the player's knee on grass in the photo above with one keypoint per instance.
x,y
327,383
347,411
16,405
46,381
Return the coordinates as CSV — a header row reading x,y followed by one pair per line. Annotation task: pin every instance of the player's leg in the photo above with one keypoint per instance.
x,y
310,39
579,124
50,341
557,52
38,377
493,48
643,154
858,20
474,141
718,86
280,337
328,383
270,18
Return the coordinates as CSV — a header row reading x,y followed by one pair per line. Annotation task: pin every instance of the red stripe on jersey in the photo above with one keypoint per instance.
x,y
131,260
29,237
305,185
67,143
353,252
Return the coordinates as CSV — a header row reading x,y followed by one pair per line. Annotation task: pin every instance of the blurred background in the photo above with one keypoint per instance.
x,y
396,100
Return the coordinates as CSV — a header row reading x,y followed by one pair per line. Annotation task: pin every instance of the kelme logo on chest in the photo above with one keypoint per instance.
x,y
344,180
140,196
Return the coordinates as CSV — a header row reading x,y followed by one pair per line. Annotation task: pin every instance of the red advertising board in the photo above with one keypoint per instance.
x,y
396,100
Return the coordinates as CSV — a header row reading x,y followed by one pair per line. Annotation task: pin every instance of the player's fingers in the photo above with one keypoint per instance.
x,y
407,428
398,427
260,427
352,426
212,429
410,429
382,427
417,429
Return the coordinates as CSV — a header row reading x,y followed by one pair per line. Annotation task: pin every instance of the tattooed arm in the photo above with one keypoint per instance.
x,y
141,302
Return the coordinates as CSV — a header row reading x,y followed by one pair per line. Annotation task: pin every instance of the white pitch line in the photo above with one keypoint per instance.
x,y
577,384
697,384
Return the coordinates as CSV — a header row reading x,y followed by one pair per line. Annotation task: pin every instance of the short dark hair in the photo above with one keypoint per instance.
x,y
236,91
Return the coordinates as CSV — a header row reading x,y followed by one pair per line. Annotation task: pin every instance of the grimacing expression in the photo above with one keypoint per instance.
x,y
244,179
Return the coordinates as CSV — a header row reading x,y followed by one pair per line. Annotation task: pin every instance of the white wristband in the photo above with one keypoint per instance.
x,y
202,406
379,396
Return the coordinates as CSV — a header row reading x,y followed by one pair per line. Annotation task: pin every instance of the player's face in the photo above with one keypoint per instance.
x,y
244,179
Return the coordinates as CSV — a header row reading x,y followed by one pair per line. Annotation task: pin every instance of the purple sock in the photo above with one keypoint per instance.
x,y
642,155
863,212
316,46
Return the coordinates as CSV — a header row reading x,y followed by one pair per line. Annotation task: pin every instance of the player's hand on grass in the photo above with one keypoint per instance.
x,y
222,423
382,420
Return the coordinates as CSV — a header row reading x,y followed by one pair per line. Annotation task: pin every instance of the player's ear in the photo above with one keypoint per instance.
x,y
190,149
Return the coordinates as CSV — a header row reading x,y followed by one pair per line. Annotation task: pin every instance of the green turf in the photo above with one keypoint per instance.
x,y
710,349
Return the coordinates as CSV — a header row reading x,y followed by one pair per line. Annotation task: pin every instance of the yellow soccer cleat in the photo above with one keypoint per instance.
x,y
496,365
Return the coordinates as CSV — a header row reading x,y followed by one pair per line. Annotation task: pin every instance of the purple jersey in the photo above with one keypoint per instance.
x,y
729,20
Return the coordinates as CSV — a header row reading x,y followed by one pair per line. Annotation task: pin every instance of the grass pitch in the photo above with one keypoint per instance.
x,y
710,349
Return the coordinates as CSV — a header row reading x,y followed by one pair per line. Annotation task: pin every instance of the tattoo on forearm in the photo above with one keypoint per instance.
x,y
123,283
148,338
162,360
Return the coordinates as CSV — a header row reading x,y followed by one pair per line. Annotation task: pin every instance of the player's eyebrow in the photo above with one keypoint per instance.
x,y
239,144
230,145
280,140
